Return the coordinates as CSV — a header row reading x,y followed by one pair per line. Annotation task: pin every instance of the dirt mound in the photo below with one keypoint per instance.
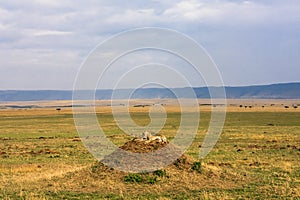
x,y
142,156
137,146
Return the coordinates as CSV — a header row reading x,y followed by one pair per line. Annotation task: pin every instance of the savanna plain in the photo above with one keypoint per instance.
x,y
256,157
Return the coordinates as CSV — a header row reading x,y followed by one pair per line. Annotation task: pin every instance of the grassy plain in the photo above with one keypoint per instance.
x,y
256,157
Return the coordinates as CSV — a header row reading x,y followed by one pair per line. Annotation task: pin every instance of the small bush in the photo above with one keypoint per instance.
x,y
176,163
133,178
141,178
160,173
197,166
54,156
95,168
152,180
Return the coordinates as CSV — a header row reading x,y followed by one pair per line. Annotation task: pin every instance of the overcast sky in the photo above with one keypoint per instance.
x,y
44,42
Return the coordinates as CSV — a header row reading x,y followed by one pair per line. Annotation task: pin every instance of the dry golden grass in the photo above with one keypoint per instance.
x,y
256,157
170,105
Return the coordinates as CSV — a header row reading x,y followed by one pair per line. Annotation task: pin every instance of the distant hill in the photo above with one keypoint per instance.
x,y
274,91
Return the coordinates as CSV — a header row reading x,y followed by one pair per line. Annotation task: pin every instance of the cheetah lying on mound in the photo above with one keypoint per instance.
x,y
148,137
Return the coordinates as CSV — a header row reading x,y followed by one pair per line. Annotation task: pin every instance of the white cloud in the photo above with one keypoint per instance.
x,y
130,17
192,10
232,12
48,32
3,27
54,3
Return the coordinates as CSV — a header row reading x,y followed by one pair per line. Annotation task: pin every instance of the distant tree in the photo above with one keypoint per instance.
x,y
286,106
58,109
241,106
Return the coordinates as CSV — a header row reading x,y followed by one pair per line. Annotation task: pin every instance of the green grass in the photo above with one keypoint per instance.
x,y
40,159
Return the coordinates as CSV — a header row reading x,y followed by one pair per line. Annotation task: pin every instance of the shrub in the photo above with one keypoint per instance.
x,y
152,180
141,178
160,173
176,163
133,178
197,166
94,168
